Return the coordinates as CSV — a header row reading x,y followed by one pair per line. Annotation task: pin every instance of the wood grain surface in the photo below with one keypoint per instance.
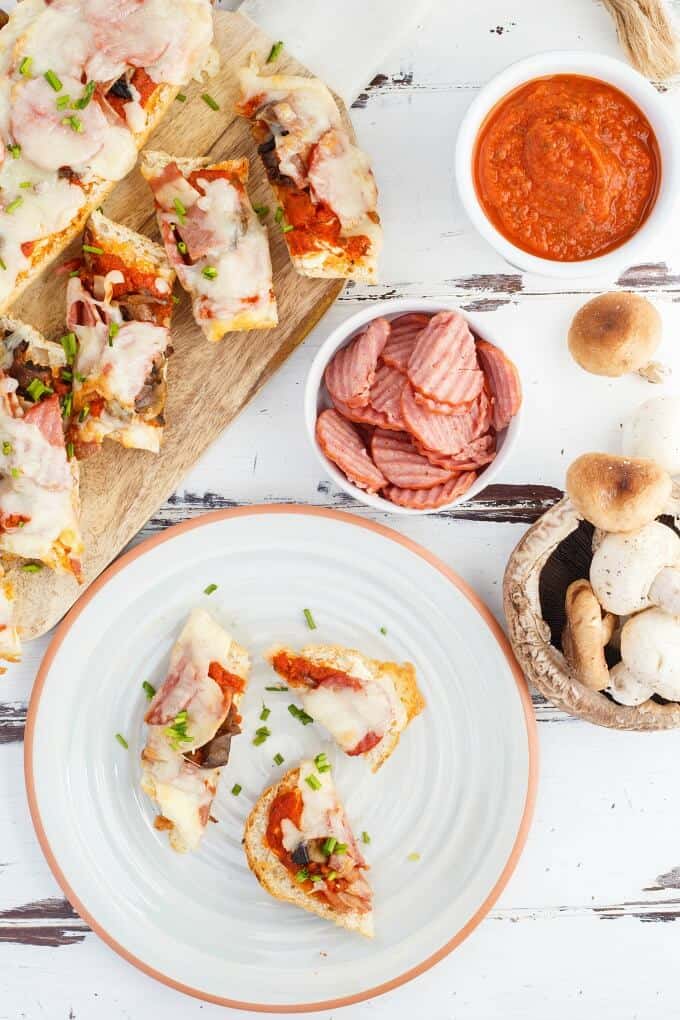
x,y
208,384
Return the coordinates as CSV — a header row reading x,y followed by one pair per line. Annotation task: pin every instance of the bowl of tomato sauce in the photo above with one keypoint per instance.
x,y
568,164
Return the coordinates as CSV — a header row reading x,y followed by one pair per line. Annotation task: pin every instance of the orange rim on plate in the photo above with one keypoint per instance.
x,y
532,737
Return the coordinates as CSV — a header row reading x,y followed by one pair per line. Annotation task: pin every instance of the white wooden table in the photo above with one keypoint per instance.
x,y
584,928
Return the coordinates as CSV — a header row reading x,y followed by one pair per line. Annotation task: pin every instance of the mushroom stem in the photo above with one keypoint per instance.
x,y
655,372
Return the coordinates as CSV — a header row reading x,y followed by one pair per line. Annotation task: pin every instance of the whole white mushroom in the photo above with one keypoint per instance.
x,y
650,650
627,688
653,432
635,570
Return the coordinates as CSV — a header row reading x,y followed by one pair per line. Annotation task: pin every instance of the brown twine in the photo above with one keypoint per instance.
x,y
647,35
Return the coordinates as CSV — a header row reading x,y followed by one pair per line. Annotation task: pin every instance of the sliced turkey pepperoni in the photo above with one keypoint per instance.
x,y
443,433
343,445
404,333
441,407
366,416
350,374
396,456
477,454
445,349
45,134
170,186
504,382
47,417
431,499
385,394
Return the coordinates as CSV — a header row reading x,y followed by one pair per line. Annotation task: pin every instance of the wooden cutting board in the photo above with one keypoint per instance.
x,y
208,384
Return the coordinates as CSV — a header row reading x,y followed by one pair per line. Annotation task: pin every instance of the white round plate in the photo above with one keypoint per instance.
x,y
458,791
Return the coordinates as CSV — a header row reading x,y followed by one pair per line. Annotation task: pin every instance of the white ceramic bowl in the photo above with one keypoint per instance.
x,y
628,81
317,399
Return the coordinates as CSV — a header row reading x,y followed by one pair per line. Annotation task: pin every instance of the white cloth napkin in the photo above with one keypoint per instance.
x,y
344,42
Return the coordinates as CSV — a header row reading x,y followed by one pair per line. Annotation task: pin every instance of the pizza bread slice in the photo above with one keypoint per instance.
x,y
323,183
83,91
214,240
39,476
365,704
119,309
191,721
301,848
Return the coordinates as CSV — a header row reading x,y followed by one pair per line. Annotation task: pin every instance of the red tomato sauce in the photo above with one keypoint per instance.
x,y
314,223
298,670
567,168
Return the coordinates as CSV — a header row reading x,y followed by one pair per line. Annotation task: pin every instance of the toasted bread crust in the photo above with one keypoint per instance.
x,y
275,878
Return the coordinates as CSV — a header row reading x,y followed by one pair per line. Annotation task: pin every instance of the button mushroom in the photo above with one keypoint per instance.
x,y
615,334
585,636
631,572
618,493
627,688
650,649
654,431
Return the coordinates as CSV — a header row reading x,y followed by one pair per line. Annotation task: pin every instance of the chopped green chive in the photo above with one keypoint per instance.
x,y
309,618
37,389
300,715
177,732
280,687
180,209
84,413
279,759
70,345
74,272
286,227
340,848
302,875
180,97
274,52
67,405
313,781
63,102
15,472
54,80
413,857
316,878
86,98
26,184
331,876
210,589
322,763
148,689
365,838
25,67
80,377
383,630
92,249
261,735
75,123
265,713
278,215
122,741
70,451
181,247
14,204
175,299
261,210
32,568
114,330
236,789
7,448
15,151
329,846
3,264
210,272
209,101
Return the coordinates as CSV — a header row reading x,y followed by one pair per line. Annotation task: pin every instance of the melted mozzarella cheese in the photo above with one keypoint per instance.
x,y
126,363
349,714
202,641
32,455
182,791
340,175
322,815
52,520
239,252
